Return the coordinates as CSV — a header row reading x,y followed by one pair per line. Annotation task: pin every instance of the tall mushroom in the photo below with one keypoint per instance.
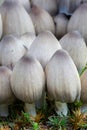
x,y
63,82
15,19
28,81
78,21
74,43
6,94
48,5
11,50
42,20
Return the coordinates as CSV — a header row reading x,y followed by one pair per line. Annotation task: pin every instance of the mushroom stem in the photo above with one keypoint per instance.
x,y
30,108
4,110
84,108
61,108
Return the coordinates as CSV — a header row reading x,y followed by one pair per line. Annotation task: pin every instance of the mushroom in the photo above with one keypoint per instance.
x,y
68,6
26,4
43,47
48,5
11,50
74,43
84,91
63,82
27,39
42,20
15,18
6,94
27,82
78,21
61,22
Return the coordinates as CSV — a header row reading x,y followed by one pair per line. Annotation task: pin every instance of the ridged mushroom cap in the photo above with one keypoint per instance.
x,y
63,82
28,80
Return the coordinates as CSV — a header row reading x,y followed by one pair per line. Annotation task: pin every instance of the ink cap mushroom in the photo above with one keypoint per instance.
x,y
28,76
63,81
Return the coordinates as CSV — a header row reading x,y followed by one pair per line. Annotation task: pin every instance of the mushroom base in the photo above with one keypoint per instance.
x,y
4,110
61,108
30,109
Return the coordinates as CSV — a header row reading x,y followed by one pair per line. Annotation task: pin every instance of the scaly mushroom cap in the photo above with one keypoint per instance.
x,y
84,87
27,39
6,94
11,50
61,22
63,82
42,20
48,5
68,6
76,47
28,80
15,19
43,47
78,21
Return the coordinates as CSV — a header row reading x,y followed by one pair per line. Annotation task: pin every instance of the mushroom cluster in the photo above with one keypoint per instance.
x,y
43,48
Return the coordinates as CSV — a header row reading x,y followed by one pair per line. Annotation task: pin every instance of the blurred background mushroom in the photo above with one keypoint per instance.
x,y
63,82
75,45
78,21
48,5
15,19
42,20
61,22
28,83
68,6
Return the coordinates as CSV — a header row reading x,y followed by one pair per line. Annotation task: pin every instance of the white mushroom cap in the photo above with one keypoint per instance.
x,y
78,21
63,82
28,80
6,94
27,39
48,5
61,22
43,47
15,18
74,43
11,50
42,20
